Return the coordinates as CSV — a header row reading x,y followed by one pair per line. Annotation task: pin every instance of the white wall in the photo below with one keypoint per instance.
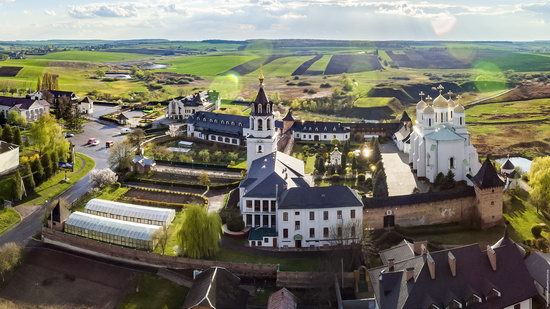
x,y
251,215
321,136
526,304
9,160
318,224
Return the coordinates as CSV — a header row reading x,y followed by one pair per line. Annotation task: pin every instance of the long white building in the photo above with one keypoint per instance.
x,y
440,142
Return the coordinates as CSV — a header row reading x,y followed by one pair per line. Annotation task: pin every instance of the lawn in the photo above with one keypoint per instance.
x,y
111,194
282,67
155,292
8,218
320,64
522,216
54,186
172,236
371,102
91,56
204,65
453,234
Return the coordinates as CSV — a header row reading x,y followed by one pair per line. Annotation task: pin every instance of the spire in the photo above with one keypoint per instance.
x,y
261,77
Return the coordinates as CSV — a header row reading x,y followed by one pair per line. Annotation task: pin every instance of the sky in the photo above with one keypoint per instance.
x,y
272,19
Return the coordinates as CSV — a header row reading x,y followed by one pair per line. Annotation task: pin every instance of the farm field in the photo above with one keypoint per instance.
x,y
318,68
205,65
90,56
371,102
282,66
509,112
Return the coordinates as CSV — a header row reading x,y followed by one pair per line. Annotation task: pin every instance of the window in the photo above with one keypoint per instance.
x,y
460,120
339,231
285,216
452,162
296,213
325,232
260,149
259,109
266,240
268,110
260,125
296,225
285,233
311,232
311,215
273,205
339,214
352,231
352,214
517,306
268,124
256,205
325,215
253,243
429,122
265,206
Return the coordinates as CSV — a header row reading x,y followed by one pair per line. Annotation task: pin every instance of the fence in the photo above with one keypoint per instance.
x,y
256,271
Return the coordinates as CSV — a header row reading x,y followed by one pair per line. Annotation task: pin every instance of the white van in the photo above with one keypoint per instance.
x,y
125,131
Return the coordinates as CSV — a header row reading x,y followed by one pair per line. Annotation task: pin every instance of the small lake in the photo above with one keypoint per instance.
x,y
118,76
523,163
154,66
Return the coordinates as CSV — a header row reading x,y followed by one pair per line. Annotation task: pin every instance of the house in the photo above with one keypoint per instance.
x,y
142,164
440,142
122,119
58,94
185,107
9,157
282,299
321,131
30,109
218,128
86,106
462,277
278,194
538,264
402,136
216,288
511,176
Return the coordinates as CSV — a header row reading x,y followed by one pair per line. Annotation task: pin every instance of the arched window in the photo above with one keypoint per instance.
x,y
460,120
259,108
268,108
260,149
430,122
452,162
260,125
268,124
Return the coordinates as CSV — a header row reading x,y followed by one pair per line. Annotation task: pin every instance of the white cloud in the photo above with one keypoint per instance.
x,y
27,12
293,16
50,12
122,9
247,27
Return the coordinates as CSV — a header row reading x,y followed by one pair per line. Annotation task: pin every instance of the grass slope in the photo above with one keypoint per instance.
x,y
8,218
91,56
320,64
155,292
282,67
509,112
205,65
371,102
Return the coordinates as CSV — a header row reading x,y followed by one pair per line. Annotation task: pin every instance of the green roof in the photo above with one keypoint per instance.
x,y
260,232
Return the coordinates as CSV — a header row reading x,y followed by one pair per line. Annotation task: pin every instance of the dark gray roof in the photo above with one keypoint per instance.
x,y
319,197
319,127
262,100
216,288
58,93
474,276
401,252
258,233
508,165
21,103
405,117
538,264
212,122
272,172
289,116
196,99
487,176
5,146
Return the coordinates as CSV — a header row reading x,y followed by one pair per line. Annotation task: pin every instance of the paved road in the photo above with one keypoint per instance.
x,y
32,224
401,180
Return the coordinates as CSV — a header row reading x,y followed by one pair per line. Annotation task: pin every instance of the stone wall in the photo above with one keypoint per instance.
x,y
455,209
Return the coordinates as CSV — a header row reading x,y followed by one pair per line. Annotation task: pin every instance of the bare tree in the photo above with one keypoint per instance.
x,y
136,137
10,256
120,156
161,237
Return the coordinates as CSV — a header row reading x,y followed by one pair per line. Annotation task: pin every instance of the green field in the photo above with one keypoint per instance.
x,y
320,64
204,65
8,218
91,56
283,66
371,102
509,111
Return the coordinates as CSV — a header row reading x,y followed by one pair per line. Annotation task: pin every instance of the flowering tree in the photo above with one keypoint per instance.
x,y
173,130
103,177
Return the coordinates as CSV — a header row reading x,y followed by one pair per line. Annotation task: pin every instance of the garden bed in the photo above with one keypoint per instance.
x,y
162,198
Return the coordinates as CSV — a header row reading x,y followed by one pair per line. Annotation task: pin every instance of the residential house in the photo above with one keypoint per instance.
x,y
9,157
86,105
217,128
185,107
30,109
321,131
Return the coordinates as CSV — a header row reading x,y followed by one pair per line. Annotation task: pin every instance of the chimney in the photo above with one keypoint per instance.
x,y
417,247
452,263
431,266
423,249
492,257
391,264
409,273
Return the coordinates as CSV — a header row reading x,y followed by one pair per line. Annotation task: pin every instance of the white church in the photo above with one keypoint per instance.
x,y
439,141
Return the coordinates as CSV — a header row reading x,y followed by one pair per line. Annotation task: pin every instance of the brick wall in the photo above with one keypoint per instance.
x,y
442,211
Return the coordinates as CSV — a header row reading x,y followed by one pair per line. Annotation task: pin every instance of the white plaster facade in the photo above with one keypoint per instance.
x,y
183,108
31,111
440,141
9,157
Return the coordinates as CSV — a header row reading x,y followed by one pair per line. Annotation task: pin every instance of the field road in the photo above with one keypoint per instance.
x,y
32,224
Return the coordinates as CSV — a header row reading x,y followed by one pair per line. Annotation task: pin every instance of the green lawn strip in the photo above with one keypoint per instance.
x,y
509,111
110,194
371,102
522,216
54,186
172,236
155,292
204,65
453,234
320,65
8,218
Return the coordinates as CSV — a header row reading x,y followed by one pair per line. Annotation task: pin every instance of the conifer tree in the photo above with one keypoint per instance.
x,y
17,188
47,165
29,179
38,171
17,136
7,135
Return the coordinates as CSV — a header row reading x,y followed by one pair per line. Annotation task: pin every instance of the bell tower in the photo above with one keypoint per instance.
x,y
261,136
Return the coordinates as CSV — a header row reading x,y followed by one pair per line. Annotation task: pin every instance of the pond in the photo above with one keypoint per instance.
x,y
523,163
154,66
118,76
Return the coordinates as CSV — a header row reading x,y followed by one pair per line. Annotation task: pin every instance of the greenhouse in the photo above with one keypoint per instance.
x,y
130,212
124,233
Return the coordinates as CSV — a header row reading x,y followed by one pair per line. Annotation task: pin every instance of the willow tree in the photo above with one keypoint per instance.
x,y
200,232
539,180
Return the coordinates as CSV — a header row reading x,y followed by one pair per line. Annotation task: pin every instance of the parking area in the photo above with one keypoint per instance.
x,y
400,178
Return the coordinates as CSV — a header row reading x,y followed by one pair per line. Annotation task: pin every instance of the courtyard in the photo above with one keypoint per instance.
x,y
400,178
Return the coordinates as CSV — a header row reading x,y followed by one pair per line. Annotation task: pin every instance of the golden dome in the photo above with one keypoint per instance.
x,y
451,103
459,108
440,101
428,110
421,105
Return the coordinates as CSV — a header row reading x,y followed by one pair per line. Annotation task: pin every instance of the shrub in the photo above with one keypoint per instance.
x,y
235,222
536,230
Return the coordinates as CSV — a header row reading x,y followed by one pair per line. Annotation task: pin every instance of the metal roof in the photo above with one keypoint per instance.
x,y
112,226
444,133
130,210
